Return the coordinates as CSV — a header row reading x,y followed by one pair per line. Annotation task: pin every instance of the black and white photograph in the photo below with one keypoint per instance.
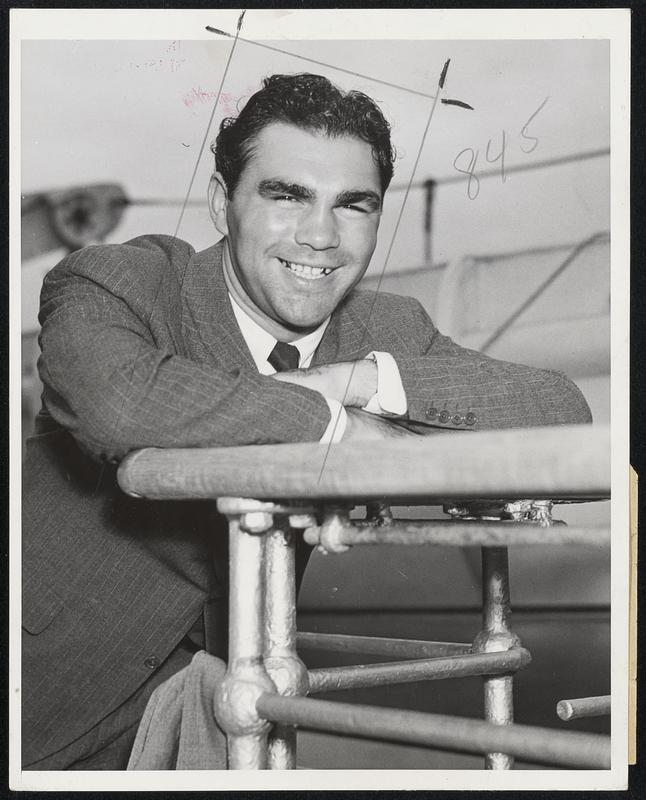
x,y
319,399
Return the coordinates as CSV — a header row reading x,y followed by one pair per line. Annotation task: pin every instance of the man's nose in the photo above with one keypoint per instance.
x,y
317,228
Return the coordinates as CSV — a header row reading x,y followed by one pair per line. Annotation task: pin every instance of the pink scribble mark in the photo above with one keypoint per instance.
x,y
229,103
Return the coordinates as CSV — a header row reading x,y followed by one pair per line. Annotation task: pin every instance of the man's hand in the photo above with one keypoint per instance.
x,y
352,383
364,426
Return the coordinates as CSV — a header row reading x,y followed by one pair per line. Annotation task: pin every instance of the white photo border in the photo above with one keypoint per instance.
x,y
286,25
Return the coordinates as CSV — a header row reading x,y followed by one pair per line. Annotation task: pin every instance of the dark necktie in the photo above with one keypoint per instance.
x,y
284,357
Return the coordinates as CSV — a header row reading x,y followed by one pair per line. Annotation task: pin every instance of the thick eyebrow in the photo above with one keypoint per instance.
x,y
355,196
276,186
272,186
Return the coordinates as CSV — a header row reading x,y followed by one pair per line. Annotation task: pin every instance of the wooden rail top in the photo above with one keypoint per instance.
x,y
557,463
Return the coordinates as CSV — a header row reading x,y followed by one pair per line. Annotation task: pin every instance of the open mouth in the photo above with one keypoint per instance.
x,y
305,271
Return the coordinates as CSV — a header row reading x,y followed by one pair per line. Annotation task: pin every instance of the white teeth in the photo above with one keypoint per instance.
x,y
305,271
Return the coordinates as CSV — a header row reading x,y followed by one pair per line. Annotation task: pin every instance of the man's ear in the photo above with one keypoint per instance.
x,y
218,201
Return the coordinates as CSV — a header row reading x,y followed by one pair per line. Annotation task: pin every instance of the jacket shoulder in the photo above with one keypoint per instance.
x,y
137,265
369,304
393,314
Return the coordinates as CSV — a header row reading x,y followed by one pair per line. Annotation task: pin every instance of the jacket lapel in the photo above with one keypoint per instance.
x,y
346,338
209,325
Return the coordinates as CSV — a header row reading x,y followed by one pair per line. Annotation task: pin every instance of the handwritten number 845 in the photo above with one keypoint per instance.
x,y
466,160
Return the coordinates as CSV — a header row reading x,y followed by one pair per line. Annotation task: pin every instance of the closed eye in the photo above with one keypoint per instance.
x,y
365,202
354,207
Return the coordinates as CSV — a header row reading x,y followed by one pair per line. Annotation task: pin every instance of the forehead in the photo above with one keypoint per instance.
x,y
306,157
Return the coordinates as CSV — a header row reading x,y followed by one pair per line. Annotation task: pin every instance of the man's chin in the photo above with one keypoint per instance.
x,y
303,326
303,320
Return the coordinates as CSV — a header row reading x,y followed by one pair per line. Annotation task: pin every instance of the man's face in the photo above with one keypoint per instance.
x,y
302,225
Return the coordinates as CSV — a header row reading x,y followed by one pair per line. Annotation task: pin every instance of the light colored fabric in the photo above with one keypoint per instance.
x,y
390,398
178,729
337,424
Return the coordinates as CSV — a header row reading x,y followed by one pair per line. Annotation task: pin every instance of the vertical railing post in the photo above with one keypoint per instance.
x,y
246,678
496,635
282,663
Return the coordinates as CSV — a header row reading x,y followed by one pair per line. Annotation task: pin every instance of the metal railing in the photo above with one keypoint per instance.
x,y
499,488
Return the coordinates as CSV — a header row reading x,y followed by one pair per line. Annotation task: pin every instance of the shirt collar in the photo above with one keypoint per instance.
x,y
261,343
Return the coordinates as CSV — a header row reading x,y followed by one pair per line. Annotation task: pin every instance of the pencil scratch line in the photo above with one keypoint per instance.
x,y
179,222
322,63
388,253
456,103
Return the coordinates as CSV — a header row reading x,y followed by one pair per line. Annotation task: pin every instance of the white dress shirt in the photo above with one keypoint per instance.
x,y
389,399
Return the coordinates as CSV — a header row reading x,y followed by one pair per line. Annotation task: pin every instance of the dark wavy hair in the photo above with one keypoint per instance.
x,y
310,102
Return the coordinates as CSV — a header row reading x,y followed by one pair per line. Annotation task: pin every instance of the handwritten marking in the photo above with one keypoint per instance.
x,y
473,183
177,227
159,63
456,103
526,125
500,156
228,101
445,69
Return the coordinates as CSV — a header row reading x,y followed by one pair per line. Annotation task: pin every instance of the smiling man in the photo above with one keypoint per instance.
x,y
300,225
261,338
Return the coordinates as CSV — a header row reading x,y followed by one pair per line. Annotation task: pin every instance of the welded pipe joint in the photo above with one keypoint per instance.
x,y
488,641
302,521
236,698
235,506
331,531
289,674
256,522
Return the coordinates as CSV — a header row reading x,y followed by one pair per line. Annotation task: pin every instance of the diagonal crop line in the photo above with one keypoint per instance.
x,y
390,248
237,38
177,227
323,64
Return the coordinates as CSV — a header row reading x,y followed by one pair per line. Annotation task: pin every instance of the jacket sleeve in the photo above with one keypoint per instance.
x,y
448,386
116,388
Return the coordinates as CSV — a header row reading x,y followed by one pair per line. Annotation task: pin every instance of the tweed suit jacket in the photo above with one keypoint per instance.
x,y
140,348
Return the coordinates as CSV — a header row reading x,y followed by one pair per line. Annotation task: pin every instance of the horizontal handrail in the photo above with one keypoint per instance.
x,y
463,666
534,744
563,462
379,645
463,534
583,707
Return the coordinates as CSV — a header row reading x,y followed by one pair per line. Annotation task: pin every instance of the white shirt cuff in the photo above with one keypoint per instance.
x,y
390,399
338,420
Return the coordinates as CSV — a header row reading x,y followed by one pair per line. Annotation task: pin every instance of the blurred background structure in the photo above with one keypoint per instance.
x,y
504,238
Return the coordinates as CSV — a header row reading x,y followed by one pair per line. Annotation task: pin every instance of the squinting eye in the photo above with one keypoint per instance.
x,y
356,208
288,197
